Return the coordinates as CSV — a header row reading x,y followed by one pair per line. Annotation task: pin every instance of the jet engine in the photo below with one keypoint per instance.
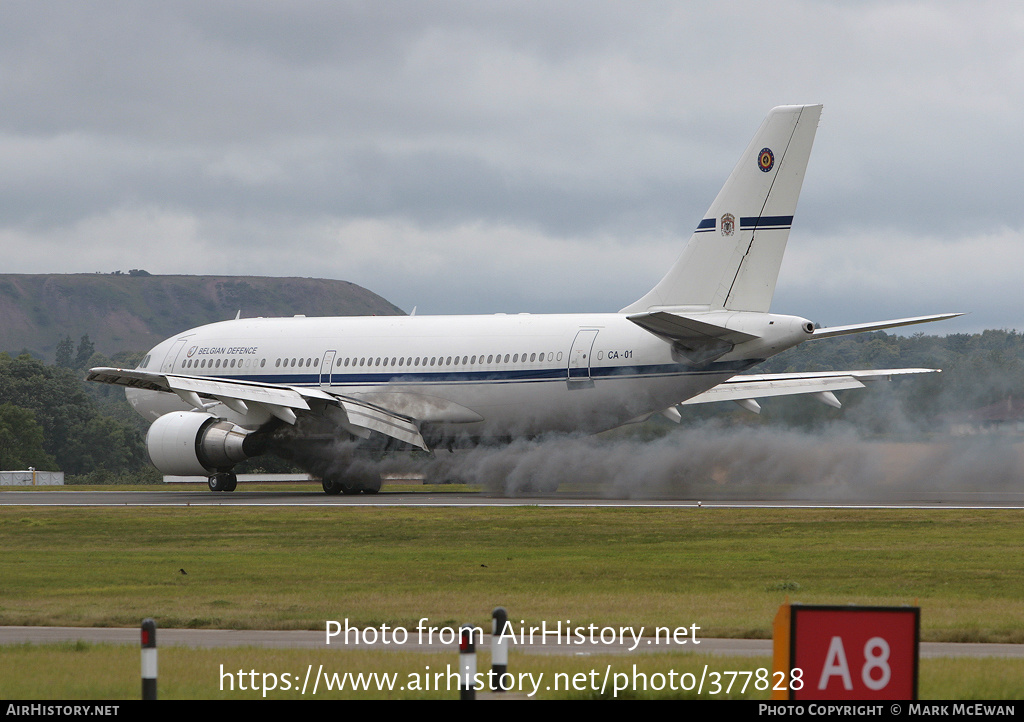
x,y
188,443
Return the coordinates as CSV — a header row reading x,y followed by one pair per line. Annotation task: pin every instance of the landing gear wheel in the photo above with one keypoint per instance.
x,y
350,485
223,482
371,486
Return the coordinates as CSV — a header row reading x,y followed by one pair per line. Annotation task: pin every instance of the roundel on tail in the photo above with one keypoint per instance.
x,y
766,159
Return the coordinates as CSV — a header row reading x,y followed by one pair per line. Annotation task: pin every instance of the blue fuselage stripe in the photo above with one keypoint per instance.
x,y
513,376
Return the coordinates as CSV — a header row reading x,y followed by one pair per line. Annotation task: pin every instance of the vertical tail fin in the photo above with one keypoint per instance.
x,y
732,260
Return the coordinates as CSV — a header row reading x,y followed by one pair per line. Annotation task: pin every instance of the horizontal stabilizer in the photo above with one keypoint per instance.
x,y
677,328
699,342
879,325
760,386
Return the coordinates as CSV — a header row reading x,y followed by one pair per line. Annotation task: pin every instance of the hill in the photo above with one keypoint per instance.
x,y
135,311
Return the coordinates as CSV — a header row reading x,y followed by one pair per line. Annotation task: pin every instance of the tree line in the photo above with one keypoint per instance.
x,y
51,420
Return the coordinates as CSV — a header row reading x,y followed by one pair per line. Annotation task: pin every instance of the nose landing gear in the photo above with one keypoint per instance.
x,y
224,481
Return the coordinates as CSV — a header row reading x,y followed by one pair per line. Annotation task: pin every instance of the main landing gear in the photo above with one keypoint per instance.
x,y
224,481
370,485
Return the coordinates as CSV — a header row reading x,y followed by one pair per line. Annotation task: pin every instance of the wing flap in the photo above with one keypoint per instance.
x,y
375,418
759,386
765,389
284,396
424,408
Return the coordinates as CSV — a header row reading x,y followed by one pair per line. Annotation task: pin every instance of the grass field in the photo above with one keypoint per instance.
x,y
725,570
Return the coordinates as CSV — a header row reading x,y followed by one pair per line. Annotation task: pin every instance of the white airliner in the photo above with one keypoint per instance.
x,y
221,393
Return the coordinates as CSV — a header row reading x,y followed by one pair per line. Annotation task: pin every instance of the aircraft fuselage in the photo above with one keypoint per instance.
x,y
498,375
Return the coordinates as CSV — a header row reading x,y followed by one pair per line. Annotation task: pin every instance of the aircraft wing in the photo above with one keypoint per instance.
x,y
820,383
282,401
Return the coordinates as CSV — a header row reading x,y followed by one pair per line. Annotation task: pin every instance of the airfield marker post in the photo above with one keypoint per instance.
x,y
148,659
467,662
499,650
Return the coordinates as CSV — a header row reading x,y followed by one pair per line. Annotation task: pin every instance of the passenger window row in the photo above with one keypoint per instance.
x,y
311,362
194,363
435,361
385,361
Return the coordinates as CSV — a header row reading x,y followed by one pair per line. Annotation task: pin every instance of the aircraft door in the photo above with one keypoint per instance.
x,y
326,367
579,359
168,365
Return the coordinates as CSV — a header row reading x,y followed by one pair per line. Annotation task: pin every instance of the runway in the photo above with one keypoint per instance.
x,y
84,497
270,639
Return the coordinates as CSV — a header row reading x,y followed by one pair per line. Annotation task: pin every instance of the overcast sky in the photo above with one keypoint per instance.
x,y
476,157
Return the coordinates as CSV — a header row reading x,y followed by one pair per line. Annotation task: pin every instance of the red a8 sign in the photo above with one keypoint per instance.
x,y
855,652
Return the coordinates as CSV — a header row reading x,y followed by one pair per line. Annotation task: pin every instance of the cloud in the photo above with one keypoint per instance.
x,y
578,139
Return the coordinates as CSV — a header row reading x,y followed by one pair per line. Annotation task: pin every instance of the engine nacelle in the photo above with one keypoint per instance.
x,y
187,443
